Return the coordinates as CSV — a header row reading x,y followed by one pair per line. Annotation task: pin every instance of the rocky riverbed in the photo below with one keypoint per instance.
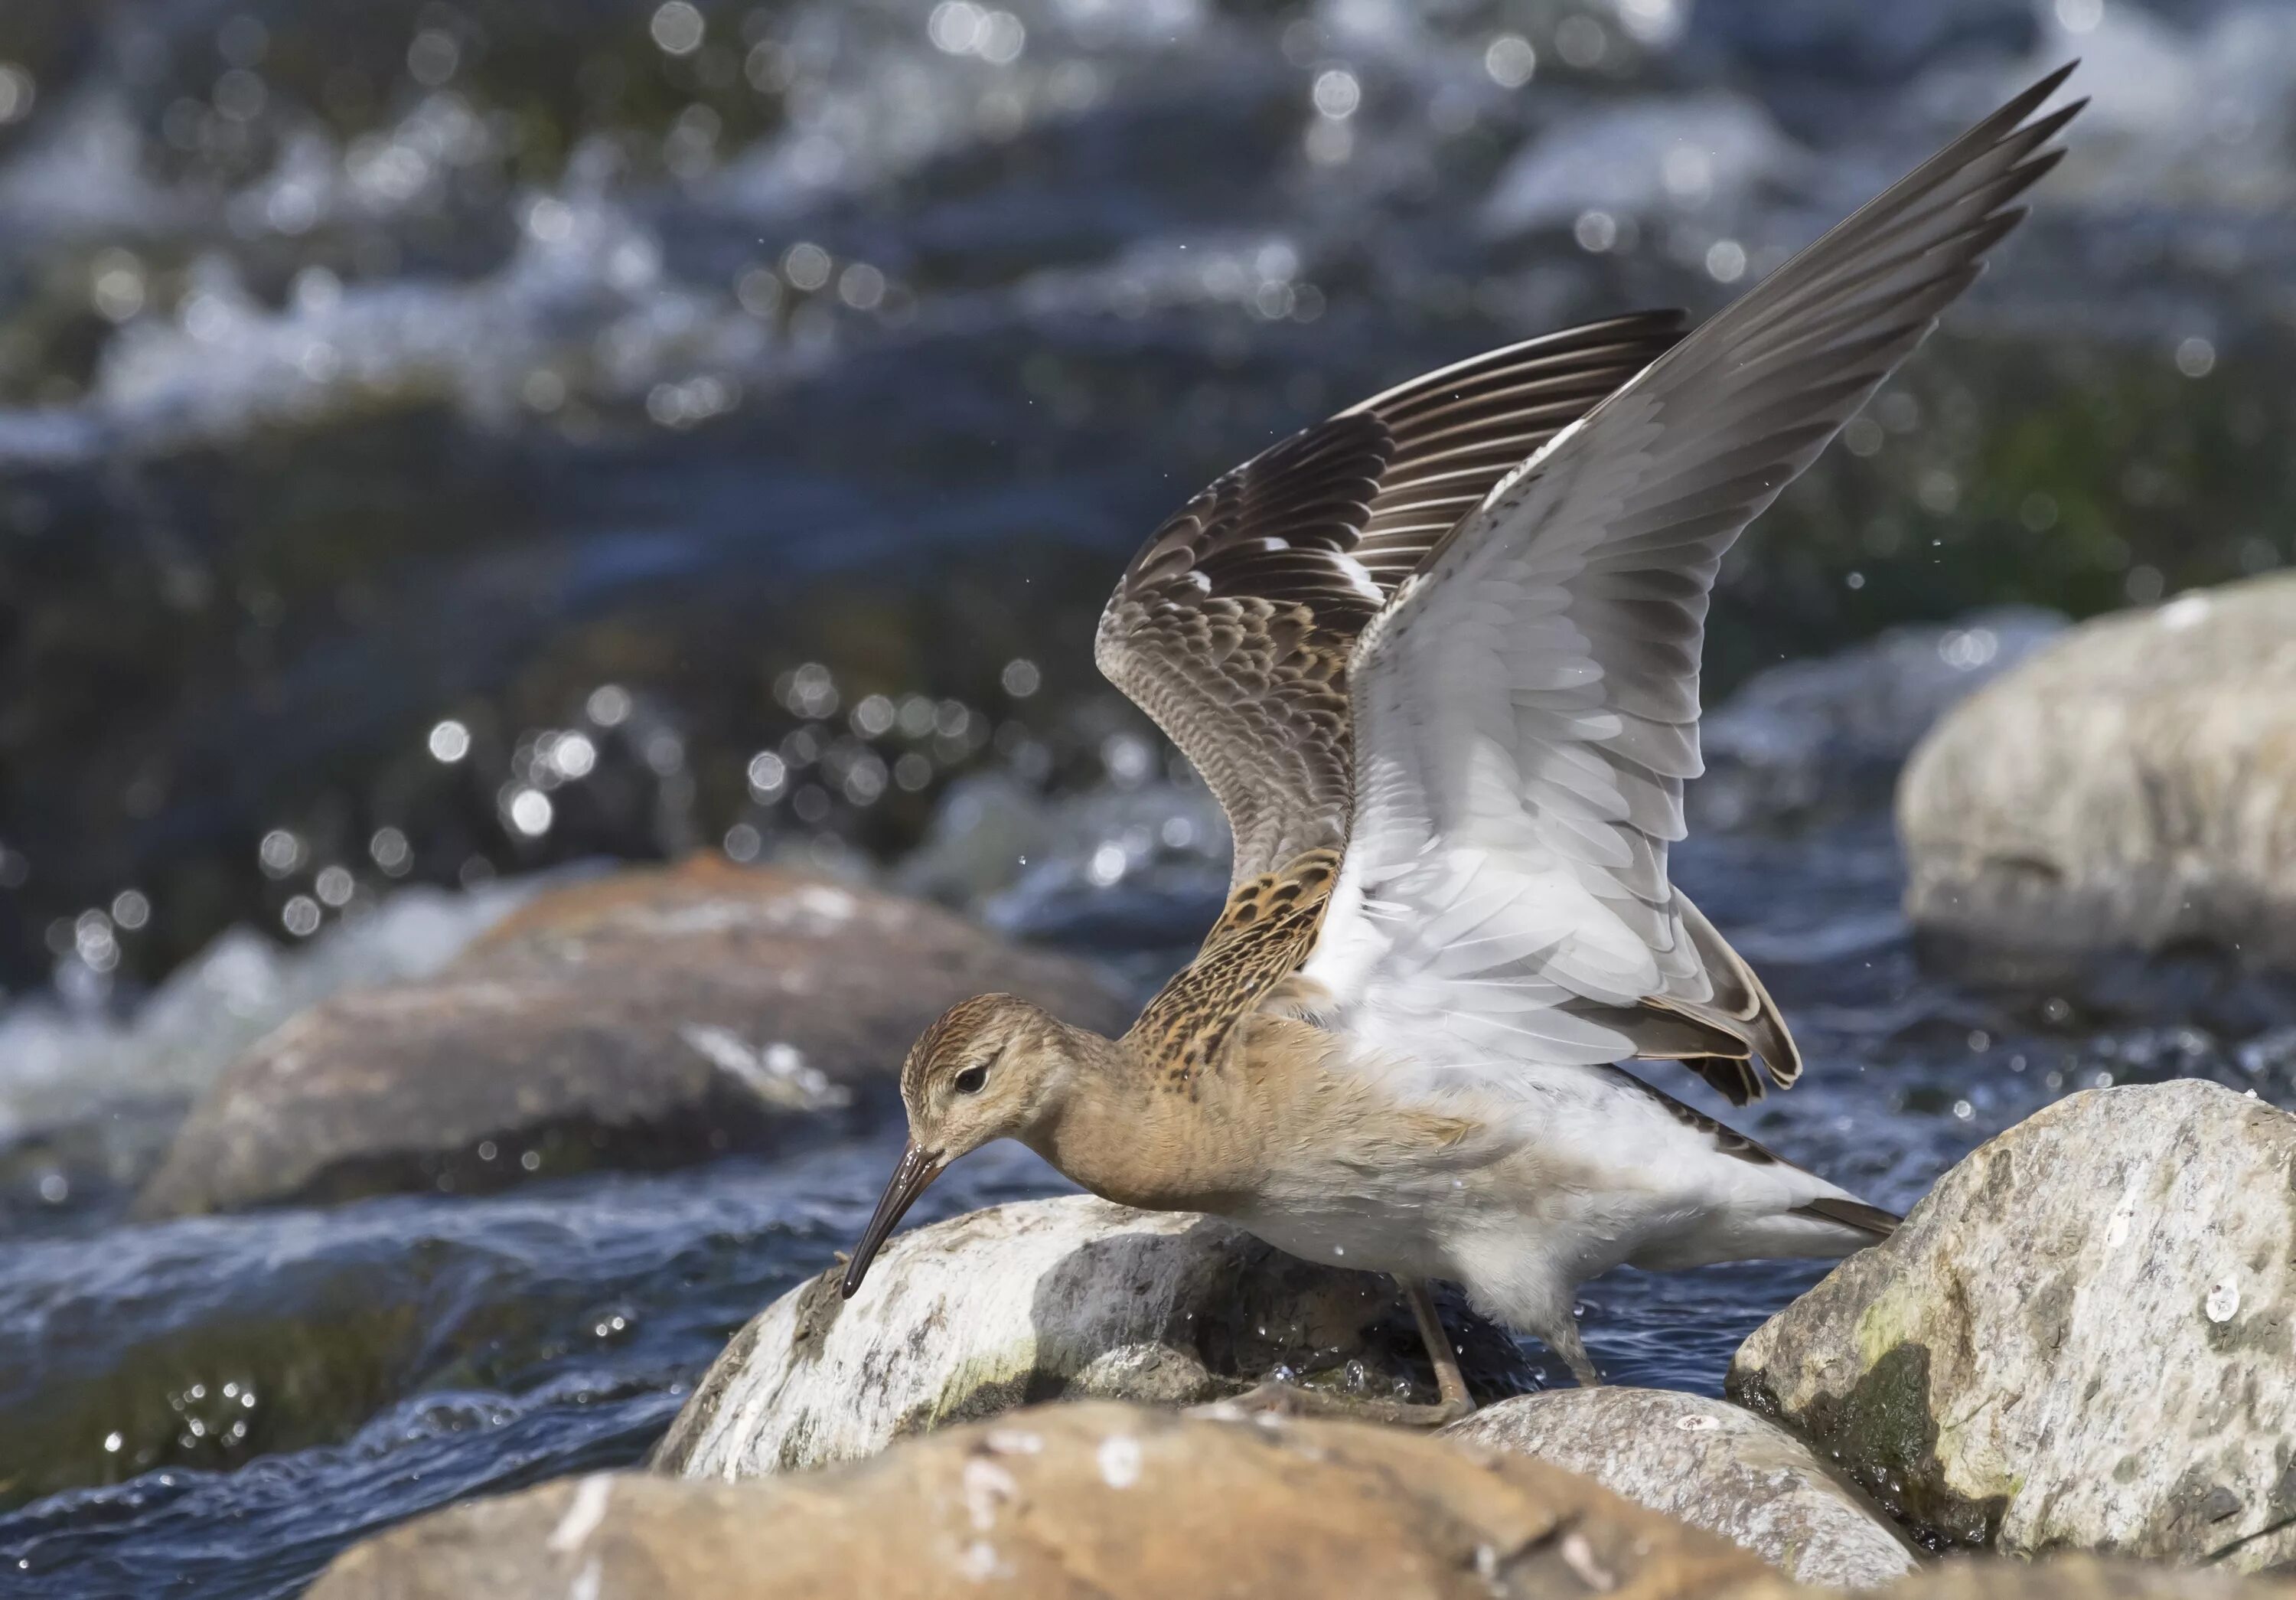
x,y
493,1324
2079,1343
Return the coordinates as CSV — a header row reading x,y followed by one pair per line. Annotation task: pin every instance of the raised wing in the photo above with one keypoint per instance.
x,y
1527,709
1233,625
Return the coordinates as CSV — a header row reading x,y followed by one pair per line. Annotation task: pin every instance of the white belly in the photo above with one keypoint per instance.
x,y
1381,1226
1577,1175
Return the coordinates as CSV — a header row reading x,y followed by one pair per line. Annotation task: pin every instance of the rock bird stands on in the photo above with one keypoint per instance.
x,y
1438,657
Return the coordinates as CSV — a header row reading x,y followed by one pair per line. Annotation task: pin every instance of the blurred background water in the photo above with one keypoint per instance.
x,y
443,442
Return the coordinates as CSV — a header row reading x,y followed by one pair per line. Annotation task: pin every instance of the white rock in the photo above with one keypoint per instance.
x,y
2084,1338
1711,1464
2129,786
1040,1299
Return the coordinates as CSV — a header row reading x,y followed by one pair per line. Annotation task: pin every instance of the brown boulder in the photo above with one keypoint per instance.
x,y
2057,1577
2078,1578
1108,1501
646,1019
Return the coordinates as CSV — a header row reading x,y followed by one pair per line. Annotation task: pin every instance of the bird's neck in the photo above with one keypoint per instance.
x,y
1130,1132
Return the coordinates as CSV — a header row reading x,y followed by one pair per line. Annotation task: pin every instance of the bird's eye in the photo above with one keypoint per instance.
x,y
969,1081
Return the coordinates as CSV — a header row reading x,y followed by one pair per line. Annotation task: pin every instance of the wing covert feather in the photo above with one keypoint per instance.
x,y
1234,626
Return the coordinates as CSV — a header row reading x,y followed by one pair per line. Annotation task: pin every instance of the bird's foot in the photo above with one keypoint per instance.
x,y
1564,1341
1276,1397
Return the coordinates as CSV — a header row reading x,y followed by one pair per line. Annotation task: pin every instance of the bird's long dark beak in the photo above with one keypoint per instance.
x,y
910,1180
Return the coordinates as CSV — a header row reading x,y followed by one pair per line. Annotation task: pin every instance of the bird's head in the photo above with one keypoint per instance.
x,y
993,1067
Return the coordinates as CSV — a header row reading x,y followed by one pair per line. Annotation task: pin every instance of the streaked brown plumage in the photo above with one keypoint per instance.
x,y
1233,626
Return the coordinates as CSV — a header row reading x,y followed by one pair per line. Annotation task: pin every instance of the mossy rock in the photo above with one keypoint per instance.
x,y
2080,1340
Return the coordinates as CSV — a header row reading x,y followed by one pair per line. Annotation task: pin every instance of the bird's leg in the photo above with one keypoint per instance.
x,y
1290,1400
1451,1384
1563,1340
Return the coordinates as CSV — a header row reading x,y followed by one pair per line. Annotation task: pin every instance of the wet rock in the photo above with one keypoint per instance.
x,y
979,840
2057,1577
1830,735
2076,1577
1120,1502
646,1019
1142,867
2129,787
1711,1465
89,1100
207,1345
2079,1339
90,1397
1045,1300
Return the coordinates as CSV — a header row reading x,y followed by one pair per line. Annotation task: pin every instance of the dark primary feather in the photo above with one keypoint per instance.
x,y
1854,1213
1233,626
1740,1021
1621,529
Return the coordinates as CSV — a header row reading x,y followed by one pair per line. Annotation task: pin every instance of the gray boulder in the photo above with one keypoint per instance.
x,y
1711,1465
2081,1339
1041,1300
2129,787
1142,867
1829,734
644,1019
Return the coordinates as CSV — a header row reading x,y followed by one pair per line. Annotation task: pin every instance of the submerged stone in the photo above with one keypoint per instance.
x,y
211,1397
209,1345
2080,1341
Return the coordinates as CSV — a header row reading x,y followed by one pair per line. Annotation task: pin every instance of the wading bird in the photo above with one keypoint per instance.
x,y
1438,658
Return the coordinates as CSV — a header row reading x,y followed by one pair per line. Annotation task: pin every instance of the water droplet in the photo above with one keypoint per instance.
x,y
806,266
530,812
450,741
1337,94
1725,261
1510,61
1596,231
1020,678
677,27
609,705
1119,1460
